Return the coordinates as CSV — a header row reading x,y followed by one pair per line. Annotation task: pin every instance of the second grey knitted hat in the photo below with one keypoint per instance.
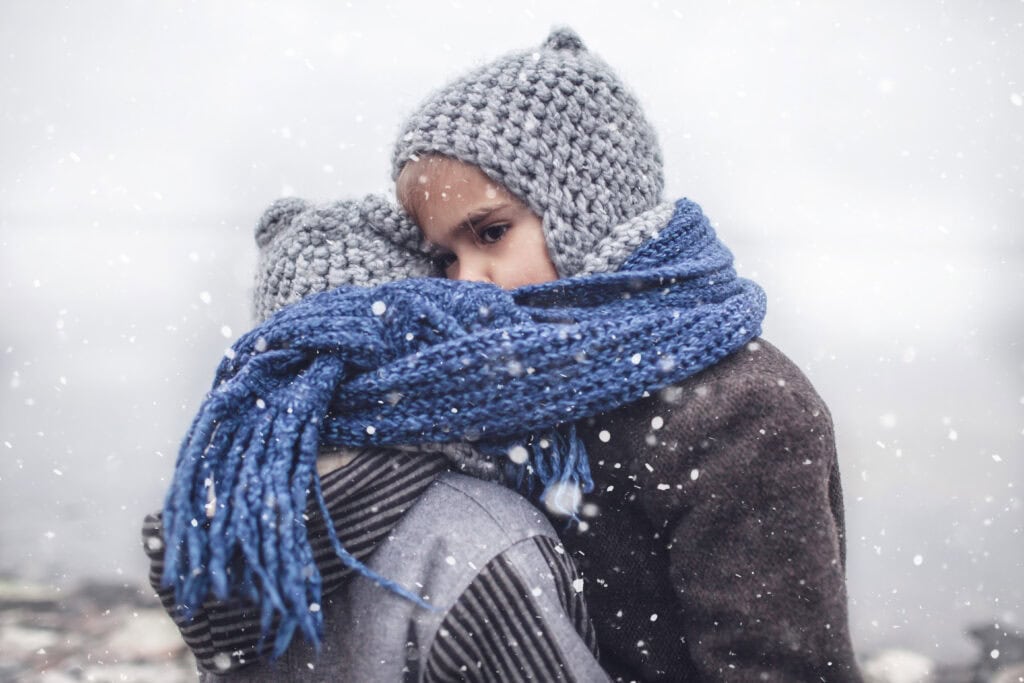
x,y
306,248
559,130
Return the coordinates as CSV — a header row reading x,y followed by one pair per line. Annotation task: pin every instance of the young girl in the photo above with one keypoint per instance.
x,y
715,550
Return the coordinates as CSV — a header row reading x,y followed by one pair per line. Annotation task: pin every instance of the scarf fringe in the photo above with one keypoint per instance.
x,y
254,547
556,463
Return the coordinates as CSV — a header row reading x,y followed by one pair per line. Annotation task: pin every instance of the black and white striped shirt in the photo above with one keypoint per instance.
x,y
493,632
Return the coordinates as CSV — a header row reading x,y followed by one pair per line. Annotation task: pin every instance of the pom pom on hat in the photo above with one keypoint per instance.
x,y
564,38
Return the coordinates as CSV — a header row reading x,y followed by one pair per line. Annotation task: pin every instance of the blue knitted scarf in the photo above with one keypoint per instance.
x,y
430,361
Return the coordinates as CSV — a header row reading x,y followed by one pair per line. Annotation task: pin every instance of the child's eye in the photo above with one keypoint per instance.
x,y
493,233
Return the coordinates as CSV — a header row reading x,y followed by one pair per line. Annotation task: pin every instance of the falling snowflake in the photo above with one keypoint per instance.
x,y
518,454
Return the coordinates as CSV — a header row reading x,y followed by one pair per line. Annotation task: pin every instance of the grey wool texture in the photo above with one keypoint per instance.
x,y
558,129
305,248
555,126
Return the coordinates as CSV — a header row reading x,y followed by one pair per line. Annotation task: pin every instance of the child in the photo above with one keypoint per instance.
x,y
716,551
402,515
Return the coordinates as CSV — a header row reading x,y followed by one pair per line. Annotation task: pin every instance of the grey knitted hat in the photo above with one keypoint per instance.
x,y
559,130
305,248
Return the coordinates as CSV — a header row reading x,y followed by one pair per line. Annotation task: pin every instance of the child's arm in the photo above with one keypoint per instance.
x,y
759,556
522,618
514,603
734,479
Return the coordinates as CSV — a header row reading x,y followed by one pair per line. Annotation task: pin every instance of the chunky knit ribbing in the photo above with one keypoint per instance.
x,y
431,360
307,248
559,130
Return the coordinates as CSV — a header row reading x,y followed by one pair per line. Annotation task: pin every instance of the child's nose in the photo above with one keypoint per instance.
x,y
473,269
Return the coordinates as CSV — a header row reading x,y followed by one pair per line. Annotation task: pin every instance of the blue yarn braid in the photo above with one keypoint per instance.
x,y
431,360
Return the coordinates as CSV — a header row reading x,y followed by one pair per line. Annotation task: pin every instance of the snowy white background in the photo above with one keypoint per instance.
x,y
863,160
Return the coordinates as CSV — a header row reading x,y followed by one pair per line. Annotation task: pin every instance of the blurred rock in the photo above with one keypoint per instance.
x,y
1010,674
1000,659
898,666
146,635
58,677
1002,650
15,594
98,632
18,641
137,673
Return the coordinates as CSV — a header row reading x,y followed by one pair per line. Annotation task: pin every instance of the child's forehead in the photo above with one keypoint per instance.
x,y
426,174
433,168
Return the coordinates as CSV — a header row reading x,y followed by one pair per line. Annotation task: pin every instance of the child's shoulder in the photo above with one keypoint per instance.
x,y
756,373
757,383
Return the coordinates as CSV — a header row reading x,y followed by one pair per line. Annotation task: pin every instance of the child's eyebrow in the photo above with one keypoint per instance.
x,y
473,220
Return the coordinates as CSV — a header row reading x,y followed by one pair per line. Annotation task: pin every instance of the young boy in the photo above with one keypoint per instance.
x,y
509,606
715,547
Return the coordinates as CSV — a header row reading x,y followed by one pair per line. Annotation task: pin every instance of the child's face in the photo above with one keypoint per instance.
x,y
474,228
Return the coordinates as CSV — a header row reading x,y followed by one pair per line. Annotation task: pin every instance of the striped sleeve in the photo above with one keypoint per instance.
x,y
506,626
365,500
223,635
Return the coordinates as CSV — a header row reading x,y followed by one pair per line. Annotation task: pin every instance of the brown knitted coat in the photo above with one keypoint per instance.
x,y
717,552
